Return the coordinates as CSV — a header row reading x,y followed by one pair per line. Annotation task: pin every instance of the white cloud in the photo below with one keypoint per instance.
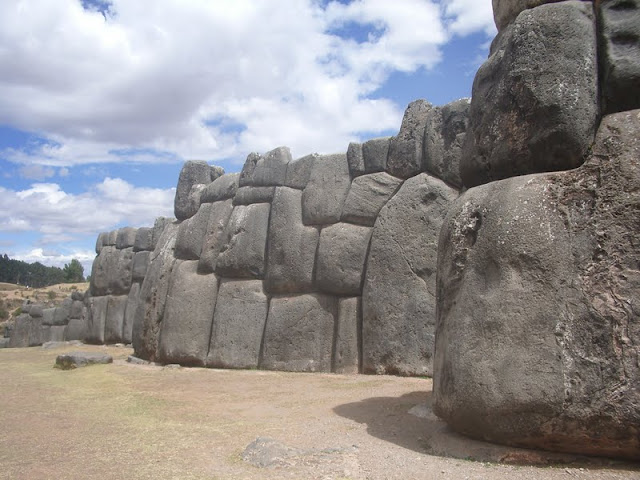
x,y
469,16
36,172
57,259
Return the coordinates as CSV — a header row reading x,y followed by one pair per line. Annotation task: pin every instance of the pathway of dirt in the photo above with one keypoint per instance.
x,y
124,421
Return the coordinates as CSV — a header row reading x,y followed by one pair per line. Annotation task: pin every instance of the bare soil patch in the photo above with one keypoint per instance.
x,y
124,421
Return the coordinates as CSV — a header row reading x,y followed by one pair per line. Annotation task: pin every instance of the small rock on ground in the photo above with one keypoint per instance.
x,y
72,360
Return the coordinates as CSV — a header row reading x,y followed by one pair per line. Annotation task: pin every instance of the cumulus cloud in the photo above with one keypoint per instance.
x,y
57,259
36,172
469,16
165,80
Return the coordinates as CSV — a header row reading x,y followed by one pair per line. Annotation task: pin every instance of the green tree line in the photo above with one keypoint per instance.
x,y
37,275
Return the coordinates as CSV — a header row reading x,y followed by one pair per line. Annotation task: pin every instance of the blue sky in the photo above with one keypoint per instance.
x,y
101,101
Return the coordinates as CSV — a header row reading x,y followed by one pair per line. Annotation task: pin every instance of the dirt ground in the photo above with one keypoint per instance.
x,y
125,421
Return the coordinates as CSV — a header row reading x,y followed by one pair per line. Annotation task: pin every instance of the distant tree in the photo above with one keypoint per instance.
x,y
73,272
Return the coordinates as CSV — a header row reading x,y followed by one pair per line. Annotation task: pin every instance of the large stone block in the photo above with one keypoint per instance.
x,y
619,36
48,316
140,266
158,228
292,245
243,253
238,324
101,241
222,188
192,173
506,11
186,328
299,171
191,234
77,309
342,253
76,329
144,240
96,319
111,238
535,100
63,312
21,331
399,299
538,326
130,313
346,355
375,153
405,149
355,159
266,170
215,238
299,333
112,271
444,137
367,195
114,321
328,186
250,195
126,237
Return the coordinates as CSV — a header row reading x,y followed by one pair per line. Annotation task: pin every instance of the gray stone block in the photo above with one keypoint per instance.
x,y
111,238
324,195
101,241
144,240
292,245
506,11
126,237
76,329
111,272
375,153
266,170
243,252
186,328
48,316
535,100
114,321
191,234
192,173
130,313
367,195
70,361
222,188
298,171
158,228
77,295
77,309
250,195
342,253
62,312
214,238
346,355
21,331
299,333
140,266
399,294
355,159
405,149
238,324
54,333
96,319
35,310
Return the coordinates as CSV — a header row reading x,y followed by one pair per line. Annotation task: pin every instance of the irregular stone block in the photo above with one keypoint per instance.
x,y
243,252
70,361
192,173
130,313
35,310
191,234
214,238
398,299
506,11
76,329
375,153
158,228
96,319
48,316
194,199
114,321
186,328
21,331
299,171
537,305
342,252
324,195
222,188
355,159
140,266
53,333
77,295
111,272
534,105
144,240
292,246
101,240
367,195
346,356
619,36
405,149
62,312
250,195
444,137
266,170
299,333
126,238
77,309
238,325
112,238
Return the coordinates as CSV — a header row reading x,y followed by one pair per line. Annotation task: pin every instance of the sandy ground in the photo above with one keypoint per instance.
x,y
124,421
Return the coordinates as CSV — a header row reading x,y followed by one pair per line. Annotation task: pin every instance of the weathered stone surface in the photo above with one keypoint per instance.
x,y
346,356
299,171
186,328
158,228
114,321
292,245
191,234
192,173
53,333
111,238
111,272
77,309
96,319
367,195
266,170
355,159
23,326
214,238
35,310
4,342
48,316
398,300
144,240
140,266
72,360
62,312
444,137
405,150
250,195
76,329
153,295
375,153
238,324
324,195
534,106
194,199
130,313
619,35
243,252
506,11
342,252
77,295
126,238
101,240
538,327
222,188
299,333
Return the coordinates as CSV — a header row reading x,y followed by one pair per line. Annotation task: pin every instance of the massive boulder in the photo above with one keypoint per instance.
x,y
367,195
538,330
326,191
405,150
192,173
214,238
399,301
191,234
506,11
266,170
535,100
